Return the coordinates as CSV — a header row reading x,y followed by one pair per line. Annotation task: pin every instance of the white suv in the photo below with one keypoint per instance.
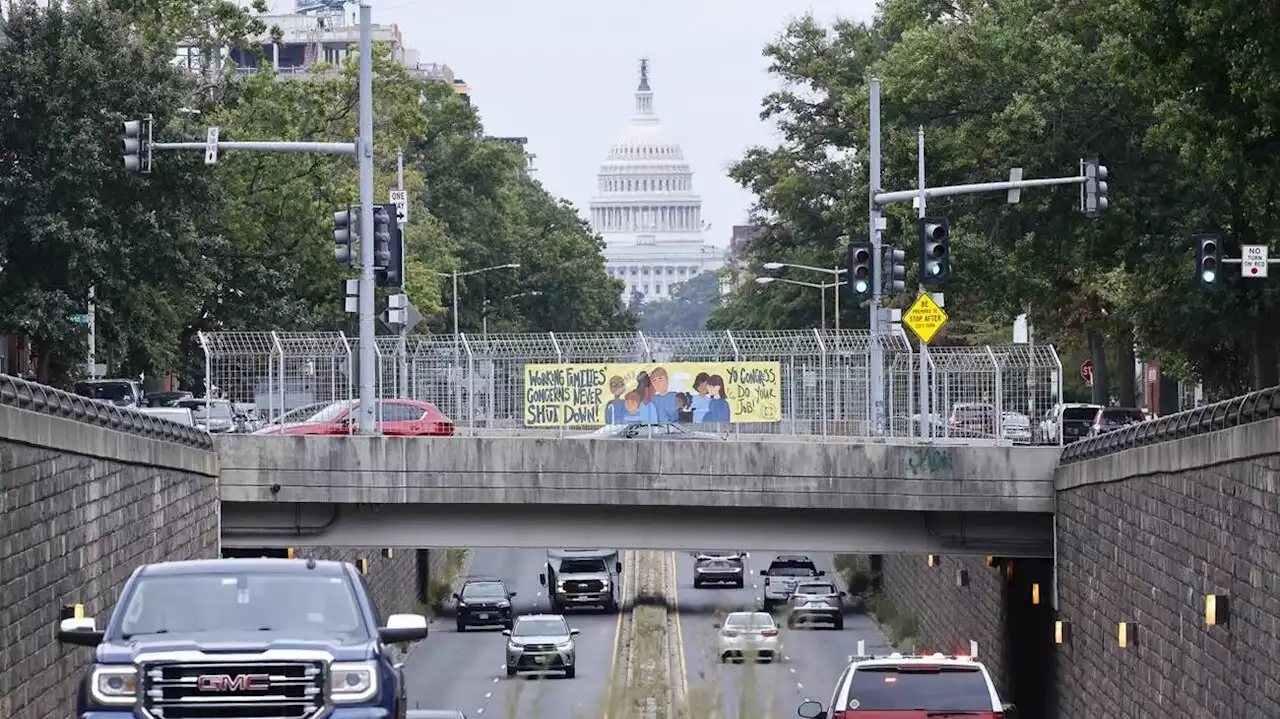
x,y
910,686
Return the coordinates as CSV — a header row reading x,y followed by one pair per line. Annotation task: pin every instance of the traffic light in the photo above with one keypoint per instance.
x,y
896,279
381,243
1095,187
935,250
860,268
386,222
345,226
136,142
1209,260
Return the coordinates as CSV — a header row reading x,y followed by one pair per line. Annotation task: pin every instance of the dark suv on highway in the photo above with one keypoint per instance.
x,y
242,639
484,602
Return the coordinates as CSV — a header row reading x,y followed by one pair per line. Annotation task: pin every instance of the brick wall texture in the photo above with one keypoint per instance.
x,y
72,529
1147,550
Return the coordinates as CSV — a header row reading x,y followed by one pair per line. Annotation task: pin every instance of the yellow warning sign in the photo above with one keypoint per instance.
x,y
924,317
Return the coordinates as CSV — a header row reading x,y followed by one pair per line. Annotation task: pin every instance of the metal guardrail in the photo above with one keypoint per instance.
x,y
1252,407
479,380
20,393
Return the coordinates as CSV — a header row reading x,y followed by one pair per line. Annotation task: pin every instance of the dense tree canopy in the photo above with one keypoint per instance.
x,y
245,245
687,310
1180,106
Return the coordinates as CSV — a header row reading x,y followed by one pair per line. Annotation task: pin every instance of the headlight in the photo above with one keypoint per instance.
x,y
114,685
604,584
565,646
559,586
353,681
513,647
504,604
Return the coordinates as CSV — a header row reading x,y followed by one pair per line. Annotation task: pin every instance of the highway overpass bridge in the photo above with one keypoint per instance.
x,y
539,492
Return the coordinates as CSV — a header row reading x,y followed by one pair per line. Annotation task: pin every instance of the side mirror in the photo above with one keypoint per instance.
x,y
821,573
617,567
844,594
80,632
574,632
506,632
716,625
455,596
1009,710
764,572
542,579
513,594
811,709
403,628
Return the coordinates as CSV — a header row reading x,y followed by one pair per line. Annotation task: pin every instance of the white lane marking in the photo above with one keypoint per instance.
x,y
488,695
495,679
793,670
799,685
537,594
480,710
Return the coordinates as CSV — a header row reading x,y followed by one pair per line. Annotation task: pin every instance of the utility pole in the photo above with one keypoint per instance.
x,y
367,417
926,422
404,328
874,226
91,317
836,271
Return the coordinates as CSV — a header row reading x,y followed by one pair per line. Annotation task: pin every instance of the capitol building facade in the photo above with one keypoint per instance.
x,y
646,210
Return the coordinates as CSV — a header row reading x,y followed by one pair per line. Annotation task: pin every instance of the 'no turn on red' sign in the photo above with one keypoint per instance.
x,y
1253,260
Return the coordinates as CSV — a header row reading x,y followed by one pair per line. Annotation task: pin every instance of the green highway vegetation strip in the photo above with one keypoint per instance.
x,y
640,687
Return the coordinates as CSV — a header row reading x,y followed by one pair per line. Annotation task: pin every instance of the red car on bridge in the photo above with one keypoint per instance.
x,y
399,417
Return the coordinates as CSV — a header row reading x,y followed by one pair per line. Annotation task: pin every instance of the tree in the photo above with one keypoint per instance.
x,y
73,218
494,214
687,310
1033,85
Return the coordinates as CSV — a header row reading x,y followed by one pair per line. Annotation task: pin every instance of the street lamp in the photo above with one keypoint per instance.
x,y
484,315
823,286
457,335
834,272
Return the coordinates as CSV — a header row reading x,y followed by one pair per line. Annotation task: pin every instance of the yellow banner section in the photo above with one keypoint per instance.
x,y
590,395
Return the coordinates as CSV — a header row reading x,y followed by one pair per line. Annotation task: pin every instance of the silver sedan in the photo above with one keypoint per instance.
x,y
749,635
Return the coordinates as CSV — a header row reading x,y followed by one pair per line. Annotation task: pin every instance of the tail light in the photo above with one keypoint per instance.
x,y
769,633
729,633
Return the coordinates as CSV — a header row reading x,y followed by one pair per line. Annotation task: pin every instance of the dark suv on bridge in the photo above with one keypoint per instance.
x,y
241,638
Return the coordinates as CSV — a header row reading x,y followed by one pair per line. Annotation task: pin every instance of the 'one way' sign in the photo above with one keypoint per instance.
x,y
400,198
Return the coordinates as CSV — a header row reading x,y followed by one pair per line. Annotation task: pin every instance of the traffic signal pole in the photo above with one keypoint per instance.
x,y
138,147
926,422
875,224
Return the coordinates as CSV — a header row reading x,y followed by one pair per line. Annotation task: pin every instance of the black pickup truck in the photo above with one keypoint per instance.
x,y
239,638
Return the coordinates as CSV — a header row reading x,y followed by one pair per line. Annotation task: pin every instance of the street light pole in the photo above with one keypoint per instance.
x,y
404,328
821,287
836,271
367,416
457,334
874,225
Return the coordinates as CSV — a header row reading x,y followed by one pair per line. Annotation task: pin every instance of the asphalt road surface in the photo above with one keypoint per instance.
x,y
467,671
813,657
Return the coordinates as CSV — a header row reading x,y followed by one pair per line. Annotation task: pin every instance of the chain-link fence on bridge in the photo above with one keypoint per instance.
x,y
482,382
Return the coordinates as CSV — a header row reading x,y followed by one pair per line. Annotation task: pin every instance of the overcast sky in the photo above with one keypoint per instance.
x,y
564,72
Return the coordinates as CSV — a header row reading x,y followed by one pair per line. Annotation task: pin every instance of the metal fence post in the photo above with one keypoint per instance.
x,y
999,393
208,363
471,386
822,381
275,390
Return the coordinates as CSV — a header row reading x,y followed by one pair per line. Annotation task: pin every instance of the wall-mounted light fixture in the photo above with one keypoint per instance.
x,y
993,561
388,553
1035,593
1127,635
1008,570
288,553
1061,632
933,560
1217,610
962,577
363,564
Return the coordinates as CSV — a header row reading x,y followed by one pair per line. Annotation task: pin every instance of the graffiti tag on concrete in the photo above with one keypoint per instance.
x,y
930,461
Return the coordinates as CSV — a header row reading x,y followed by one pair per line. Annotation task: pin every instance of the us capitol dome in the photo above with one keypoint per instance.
x,y
646,210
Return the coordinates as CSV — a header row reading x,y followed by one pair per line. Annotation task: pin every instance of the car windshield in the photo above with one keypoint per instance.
x,y
556,627
816,589
1122,416
201,409
330,413
581,566
293,604
749,620
104,390
484,590
1079,414
920,688
792,569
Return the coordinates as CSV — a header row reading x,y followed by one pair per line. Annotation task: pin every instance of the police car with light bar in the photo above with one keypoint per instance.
x,y
912,686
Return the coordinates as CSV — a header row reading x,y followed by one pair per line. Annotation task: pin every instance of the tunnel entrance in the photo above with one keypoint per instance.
x,y
1028,636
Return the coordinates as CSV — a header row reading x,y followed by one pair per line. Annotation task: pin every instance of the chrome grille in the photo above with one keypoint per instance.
x,y
590,585
535,648
234,690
